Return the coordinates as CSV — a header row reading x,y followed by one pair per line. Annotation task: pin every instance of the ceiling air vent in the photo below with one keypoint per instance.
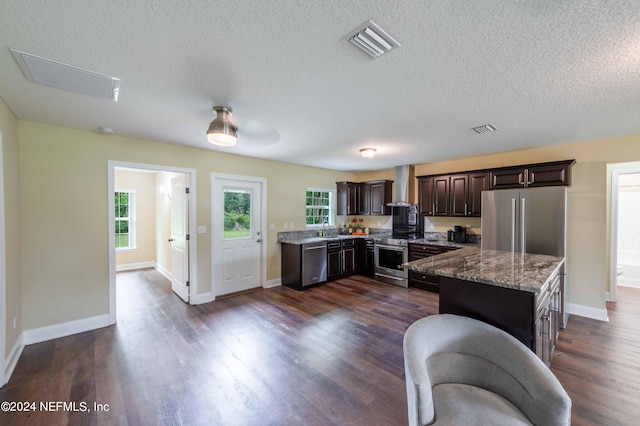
x,y
485,128
67,77
371,39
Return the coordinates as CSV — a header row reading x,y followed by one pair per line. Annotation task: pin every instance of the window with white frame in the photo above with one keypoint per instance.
x,y
125,220
320,207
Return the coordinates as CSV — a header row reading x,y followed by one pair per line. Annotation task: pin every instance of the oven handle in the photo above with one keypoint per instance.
x,y
391,277
394,248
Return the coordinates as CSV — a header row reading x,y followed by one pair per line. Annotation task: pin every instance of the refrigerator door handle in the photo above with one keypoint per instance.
x,y
513,225
523,227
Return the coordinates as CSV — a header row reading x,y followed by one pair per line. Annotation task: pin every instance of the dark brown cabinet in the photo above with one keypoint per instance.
x,y
433,195
348,257
347,198
424,280
366,198
531,175
380,196
365,256
478,182
532,318
341,259
452,195
425,196
458,194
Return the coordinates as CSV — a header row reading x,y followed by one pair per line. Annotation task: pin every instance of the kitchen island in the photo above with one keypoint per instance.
x,y
516,292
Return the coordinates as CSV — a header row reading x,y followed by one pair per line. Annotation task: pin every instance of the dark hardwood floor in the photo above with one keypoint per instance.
x,y
327,355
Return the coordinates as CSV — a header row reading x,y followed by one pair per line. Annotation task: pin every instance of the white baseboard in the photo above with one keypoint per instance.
x,y
12,359
164,271
55,331
132,266
273,283
588,312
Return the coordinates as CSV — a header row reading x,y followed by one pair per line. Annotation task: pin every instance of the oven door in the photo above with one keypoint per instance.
x,y
388,261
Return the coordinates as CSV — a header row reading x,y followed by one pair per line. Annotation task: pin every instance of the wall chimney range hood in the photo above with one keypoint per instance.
x,y
404,186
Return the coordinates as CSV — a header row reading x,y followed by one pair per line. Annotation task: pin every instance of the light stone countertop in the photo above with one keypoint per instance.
x,y
520,271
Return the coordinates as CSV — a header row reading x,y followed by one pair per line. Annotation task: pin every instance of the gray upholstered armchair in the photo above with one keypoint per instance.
x,y
460,371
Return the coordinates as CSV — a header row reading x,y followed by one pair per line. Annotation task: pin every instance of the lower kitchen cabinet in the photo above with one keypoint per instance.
x,y
531,318
424,281
341,259
348,257
365,257
420,279
334,260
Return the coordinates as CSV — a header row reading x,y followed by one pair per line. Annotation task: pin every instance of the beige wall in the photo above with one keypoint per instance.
x,y
64,201
11,176
144,186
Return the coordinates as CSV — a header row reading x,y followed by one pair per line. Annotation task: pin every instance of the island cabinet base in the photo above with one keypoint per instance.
x,y
508,309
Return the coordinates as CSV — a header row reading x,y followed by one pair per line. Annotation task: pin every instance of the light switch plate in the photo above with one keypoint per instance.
x,y
202,229
272,227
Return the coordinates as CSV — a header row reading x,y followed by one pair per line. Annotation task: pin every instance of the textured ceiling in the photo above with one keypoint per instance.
x,y
544,72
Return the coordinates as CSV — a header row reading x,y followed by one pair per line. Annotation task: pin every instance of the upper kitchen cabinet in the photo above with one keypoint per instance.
x,y
531,175
347,204
433,195
365,198
380,195
465,193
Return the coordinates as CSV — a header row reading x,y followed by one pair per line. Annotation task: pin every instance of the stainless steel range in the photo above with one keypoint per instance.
x,y
390,254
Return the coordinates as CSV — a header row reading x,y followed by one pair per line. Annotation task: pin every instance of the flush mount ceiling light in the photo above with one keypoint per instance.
x,y
221,131
67,77
371,39
368,152
485,128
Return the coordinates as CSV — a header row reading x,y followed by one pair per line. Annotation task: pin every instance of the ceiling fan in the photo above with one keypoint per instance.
x,y
226,129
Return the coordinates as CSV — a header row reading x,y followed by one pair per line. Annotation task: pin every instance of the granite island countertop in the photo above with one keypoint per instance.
x,y
520,271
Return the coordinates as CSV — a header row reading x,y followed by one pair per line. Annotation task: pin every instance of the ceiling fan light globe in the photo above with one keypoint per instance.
x,y
368,152
221,139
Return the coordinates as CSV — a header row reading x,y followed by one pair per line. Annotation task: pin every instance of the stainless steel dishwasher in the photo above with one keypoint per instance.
x,y
314,263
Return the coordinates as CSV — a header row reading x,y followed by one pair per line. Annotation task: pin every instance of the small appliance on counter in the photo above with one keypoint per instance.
x,y
459,234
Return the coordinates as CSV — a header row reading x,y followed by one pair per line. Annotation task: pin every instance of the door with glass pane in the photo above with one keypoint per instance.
x,y
237,235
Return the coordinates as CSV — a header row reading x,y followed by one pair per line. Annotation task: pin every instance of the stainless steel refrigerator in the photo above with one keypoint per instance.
x,y
529,220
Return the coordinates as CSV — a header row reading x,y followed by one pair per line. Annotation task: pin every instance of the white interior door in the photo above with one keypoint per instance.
x,y
237,235
179,237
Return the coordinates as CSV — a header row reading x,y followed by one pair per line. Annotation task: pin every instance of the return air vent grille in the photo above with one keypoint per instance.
x,y
371,39
485,128
67,77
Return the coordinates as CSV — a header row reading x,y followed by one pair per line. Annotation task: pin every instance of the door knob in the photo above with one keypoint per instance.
x,y
170,240
258,241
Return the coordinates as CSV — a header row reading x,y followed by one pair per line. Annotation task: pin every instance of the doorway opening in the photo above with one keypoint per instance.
x,y
628,266
625,234
152,224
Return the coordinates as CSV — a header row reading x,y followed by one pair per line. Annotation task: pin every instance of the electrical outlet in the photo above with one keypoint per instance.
x,y
285,226
272,227
290,225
